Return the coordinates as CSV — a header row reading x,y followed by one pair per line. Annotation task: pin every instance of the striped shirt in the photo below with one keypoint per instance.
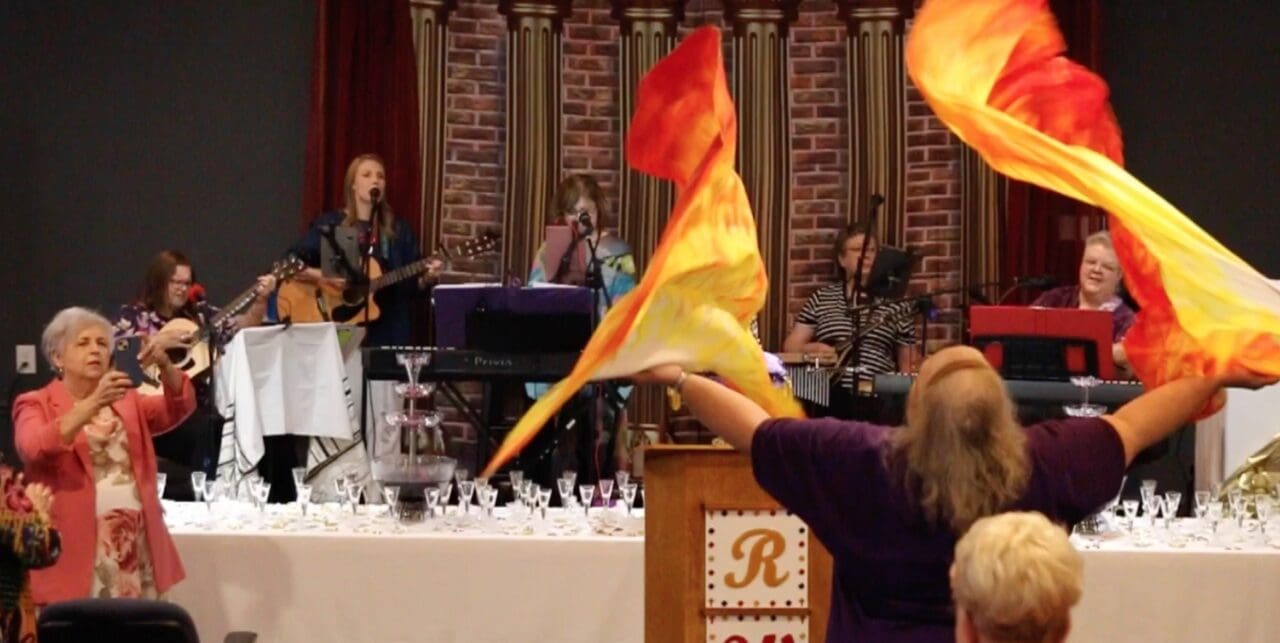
x,y
884,329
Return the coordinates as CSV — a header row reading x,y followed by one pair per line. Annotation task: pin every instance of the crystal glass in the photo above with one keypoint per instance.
x,y
629,495
197,484
606,493
213,490
587,491
390,495
571,476
1201,506
516,477
461,475
1265,506
444,490
433,500
1085,409
490,496
1130,512
340,487
1172,501
481,482
260,494
354,489
161,479
621,477
304,497
565,487
299,476
1238,502
544,499
465,489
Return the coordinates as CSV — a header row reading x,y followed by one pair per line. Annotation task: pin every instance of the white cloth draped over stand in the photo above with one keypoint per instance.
x,y
289,380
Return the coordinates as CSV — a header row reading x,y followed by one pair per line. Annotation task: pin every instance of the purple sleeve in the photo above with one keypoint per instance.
x,y
815,468
1060,297
1121,319
1077,466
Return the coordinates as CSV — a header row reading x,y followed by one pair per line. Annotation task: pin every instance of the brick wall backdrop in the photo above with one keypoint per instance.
x,y
590,124
475,112
591,139
475,131
819,144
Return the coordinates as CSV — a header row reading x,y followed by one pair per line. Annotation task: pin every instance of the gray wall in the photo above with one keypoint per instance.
x,y
1195,86
130,127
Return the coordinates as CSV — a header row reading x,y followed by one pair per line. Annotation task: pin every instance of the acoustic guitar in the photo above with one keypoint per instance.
x,y
306,303
194,358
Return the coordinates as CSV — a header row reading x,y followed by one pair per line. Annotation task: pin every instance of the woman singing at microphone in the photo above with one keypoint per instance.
x,y
579,204
579,201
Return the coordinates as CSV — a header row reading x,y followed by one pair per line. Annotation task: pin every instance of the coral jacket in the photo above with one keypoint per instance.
x,y
69,473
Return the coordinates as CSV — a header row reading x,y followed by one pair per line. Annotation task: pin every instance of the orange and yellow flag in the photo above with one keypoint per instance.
x,y
705,280
993,71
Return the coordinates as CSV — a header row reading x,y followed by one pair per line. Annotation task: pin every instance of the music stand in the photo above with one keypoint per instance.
x,y
1044,343
890,274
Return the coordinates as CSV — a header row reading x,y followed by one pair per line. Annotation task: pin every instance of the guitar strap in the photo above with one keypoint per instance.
x,y
330,237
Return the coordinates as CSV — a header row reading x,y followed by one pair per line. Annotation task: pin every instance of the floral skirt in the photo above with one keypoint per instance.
x,y
122,565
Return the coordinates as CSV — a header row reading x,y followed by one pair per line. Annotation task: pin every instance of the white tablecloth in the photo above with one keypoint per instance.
x,y
467,586
1144,590
296,586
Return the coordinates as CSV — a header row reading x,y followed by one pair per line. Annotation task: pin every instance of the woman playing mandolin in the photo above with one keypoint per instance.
x,y
168,314
825,326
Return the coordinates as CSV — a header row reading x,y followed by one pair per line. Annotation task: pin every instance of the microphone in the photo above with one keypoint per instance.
x,y
584,222
976,294
375,196
1036,281
195,294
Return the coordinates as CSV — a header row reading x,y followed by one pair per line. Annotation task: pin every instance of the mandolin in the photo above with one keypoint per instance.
x,y
303,303
194,358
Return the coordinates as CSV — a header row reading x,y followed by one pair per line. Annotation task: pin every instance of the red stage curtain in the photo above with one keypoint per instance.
x,y
1044,231
364,99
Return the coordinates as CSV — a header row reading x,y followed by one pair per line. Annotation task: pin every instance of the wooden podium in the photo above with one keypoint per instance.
x,y
724,562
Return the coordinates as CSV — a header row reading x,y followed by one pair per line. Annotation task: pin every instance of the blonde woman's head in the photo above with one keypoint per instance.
x,y
1014,580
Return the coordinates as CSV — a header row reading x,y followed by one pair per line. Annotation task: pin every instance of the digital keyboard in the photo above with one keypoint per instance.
x,y
1109,393
458,364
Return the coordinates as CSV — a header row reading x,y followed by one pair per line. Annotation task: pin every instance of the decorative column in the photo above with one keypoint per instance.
x,y
648,32
982,193
533,126
430,42
760,91
877,111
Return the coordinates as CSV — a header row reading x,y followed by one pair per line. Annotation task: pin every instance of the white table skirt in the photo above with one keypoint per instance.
x,y
443,587
388,588
1179,595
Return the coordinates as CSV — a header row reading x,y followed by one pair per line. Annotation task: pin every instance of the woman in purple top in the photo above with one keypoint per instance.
x,y
1097,290
890,503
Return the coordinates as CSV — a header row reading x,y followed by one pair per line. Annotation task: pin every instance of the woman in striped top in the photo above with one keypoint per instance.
x,y
826,323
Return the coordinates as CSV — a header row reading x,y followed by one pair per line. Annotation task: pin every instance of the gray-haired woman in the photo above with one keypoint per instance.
x,y
87,435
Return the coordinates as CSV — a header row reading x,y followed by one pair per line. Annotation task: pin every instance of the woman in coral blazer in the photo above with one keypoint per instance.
x,y
87,435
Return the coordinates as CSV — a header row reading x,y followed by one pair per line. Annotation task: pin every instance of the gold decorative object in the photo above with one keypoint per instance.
x,y
1259,473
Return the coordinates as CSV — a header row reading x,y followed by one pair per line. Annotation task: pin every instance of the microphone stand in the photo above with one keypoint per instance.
x,y
854,297
366,257
599,393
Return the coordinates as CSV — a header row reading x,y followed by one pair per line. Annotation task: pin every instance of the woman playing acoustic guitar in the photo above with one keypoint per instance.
x,y
394,246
